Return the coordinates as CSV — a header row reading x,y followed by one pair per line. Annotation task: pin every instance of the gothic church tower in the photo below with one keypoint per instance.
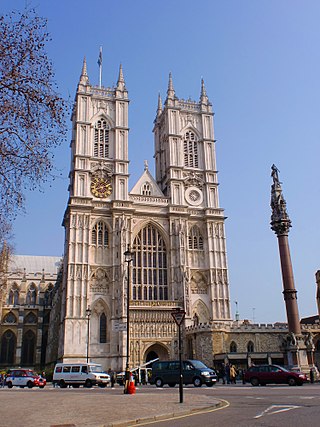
x,y
186,173
172,223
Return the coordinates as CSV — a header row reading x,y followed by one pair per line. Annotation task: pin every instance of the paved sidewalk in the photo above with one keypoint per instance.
x,y
51,408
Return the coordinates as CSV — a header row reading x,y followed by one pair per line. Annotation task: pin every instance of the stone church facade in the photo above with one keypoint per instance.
x,y
173,225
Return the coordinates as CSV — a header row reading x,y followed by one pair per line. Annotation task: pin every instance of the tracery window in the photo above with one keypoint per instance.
x,y
195,239
30,318
233,347
8,347
48,295
146,189
250,347
149,278
28,348
190,146
10,318
31,295
103,328
13,297
100,234
101,139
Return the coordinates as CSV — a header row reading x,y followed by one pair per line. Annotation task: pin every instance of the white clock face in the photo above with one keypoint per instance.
x,y
194,196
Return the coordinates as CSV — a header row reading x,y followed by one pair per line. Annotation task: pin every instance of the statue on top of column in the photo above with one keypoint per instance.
x,y
280,221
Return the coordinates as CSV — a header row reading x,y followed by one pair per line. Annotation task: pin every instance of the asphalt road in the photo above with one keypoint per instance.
x,y
246,406
241,406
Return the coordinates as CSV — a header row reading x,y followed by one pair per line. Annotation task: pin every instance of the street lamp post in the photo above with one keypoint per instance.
x,y
128,257
88,314
179,314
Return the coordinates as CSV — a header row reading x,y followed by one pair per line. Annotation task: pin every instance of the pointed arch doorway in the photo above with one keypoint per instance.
x,y
156,351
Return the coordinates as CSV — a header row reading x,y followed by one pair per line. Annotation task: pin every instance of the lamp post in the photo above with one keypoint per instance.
x,y
128,257
88,314
179,314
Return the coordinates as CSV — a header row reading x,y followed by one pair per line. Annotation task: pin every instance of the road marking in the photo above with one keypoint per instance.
x,y
224,404
307,397
276,409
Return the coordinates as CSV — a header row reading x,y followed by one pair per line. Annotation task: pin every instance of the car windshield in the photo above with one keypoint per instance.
x,y
96,368
199,365
31,374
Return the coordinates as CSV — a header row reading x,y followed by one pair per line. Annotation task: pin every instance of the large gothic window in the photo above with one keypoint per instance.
x,y
195,238
31,295
8,347
190,146
103,328
28,348
13,297
101,139
48,295
100,235
149,281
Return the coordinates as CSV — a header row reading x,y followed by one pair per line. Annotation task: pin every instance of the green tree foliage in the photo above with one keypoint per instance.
x,y
32,113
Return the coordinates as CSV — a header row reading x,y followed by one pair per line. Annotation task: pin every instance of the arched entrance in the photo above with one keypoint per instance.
x,y
156,351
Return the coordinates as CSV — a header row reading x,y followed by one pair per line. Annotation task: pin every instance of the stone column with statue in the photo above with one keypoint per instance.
x,y
294,346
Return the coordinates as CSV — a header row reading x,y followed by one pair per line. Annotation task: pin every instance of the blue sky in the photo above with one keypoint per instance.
x,y
261,66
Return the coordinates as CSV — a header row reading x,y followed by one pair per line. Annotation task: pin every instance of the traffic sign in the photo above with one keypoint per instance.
x,y
178,315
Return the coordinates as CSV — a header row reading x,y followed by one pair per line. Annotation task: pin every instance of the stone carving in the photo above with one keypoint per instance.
x,y
280,221
100,282
192,179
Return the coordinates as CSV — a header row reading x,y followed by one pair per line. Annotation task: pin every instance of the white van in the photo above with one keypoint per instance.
x,y
76,374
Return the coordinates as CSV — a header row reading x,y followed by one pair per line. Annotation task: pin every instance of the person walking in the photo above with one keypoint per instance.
x,y
233,374
228,373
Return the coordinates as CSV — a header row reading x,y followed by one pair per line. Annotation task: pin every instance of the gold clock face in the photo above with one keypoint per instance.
x,y
101,187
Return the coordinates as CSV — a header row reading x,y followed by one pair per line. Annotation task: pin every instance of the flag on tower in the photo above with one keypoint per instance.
x,y
100,66
100,57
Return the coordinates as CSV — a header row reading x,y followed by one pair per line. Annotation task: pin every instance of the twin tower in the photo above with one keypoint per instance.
x,y
172,222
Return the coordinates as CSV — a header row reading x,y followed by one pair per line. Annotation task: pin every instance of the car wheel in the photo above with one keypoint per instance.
x,y
158,382
41,386
172,384
292,381
29,384
197,382
9,384
102,385
62,384
88,384
254,382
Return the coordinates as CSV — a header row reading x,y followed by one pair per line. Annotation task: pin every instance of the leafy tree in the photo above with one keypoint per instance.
x,y
32,113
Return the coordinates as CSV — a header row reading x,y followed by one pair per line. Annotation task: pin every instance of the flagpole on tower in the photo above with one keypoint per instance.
x,y
100,67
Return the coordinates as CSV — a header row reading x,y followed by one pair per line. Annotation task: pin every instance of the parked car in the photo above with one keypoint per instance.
x,y
194,372
76,374
273,374
24,378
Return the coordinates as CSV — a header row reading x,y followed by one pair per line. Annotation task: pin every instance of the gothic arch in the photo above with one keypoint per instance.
x,y
102,116
155,224
100,322
31,296
8,347
189,127
150,264
28,348
154,351
13,295
200,310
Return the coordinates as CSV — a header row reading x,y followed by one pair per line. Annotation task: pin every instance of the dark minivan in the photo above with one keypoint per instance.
x,y
193,372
